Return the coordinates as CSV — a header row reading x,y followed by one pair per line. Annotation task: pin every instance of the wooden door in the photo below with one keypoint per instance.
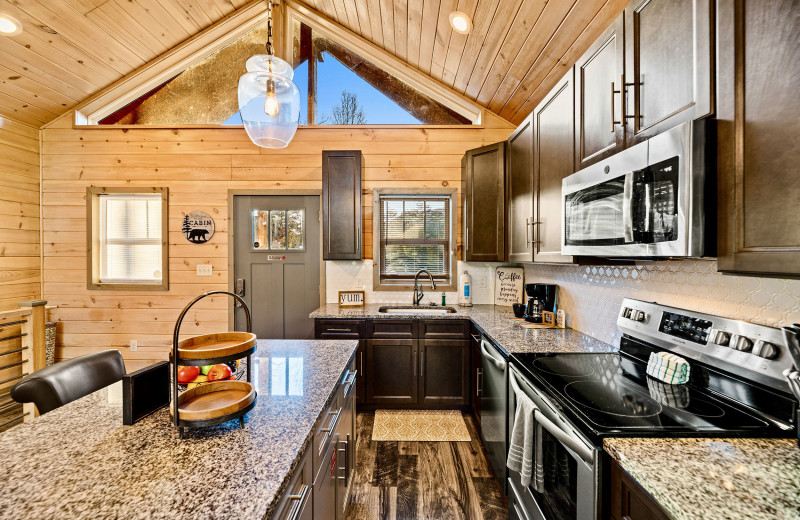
x,y
392,371
758,148
444,373
599,125
668,65
553,160
519,192
483,192
341,205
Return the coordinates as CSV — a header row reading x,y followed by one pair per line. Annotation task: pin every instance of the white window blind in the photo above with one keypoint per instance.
x,y
414,235
130,238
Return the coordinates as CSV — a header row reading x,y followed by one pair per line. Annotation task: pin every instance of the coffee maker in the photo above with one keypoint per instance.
x,y
541,297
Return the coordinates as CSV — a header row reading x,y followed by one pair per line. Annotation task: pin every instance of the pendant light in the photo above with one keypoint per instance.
x,y
269,102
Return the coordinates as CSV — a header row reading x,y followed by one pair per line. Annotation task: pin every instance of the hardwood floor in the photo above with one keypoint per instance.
x,y
423,480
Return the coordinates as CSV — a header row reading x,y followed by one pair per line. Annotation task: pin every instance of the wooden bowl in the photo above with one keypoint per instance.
x,y
216,345
216,399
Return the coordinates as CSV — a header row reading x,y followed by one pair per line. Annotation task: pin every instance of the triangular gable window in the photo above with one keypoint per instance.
x,y
338,87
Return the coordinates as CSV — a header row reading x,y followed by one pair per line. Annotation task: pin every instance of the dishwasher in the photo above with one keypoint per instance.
x,y
494,404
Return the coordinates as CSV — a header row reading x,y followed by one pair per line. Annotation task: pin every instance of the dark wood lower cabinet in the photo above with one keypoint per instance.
x,y
629,501
392,371
444,372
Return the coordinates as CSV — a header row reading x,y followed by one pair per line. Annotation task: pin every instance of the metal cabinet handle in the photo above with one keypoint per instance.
x,y
338,330
527,237
466,239
624,98
534,232
333,422
346,452
478,382
301,500
614,123
349,383
358,237
476,338
414,362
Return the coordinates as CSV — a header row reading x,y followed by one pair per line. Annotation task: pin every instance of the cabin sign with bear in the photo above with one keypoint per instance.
x,y
198,227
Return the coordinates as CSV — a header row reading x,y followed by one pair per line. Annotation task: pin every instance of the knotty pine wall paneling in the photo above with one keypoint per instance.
x,y
199,166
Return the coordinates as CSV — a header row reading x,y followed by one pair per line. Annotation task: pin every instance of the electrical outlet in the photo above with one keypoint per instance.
x,y
204,270
482,283
359,283
134,345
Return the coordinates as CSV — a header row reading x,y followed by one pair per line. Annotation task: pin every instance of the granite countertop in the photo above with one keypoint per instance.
x,y
79,461
492,321
715,479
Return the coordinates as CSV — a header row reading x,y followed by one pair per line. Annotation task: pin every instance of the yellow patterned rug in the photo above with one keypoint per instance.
x,y
419,425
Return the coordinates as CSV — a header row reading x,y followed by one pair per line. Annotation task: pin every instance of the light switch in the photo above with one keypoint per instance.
x,y
204,269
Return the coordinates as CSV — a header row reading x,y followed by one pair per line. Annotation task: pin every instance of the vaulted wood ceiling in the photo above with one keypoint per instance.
x,y
518,49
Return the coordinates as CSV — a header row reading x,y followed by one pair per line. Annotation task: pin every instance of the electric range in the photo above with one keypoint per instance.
x,y
736,388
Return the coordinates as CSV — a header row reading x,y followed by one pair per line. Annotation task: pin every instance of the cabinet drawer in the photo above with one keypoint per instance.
x,y
325,428
297,499
444,329
391,329
339,329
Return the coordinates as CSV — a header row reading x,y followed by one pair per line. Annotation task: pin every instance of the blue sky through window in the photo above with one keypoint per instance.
x,y
332,79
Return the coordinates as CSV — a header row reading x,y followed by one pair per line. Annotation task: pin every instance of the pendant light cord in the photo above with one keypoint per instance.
x,y
269,27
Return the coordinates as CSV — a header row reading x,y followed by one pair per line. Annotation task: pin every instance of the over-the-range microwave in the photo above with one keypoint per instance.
x,y
655,199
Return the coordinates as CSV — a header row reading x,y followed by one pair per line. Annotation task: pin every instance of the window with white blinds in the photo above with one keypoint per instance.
x,y
130,241
414,235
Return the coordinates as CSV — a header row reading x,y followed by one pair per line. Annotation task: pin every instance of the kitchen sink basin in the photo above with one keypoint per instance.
x,y
422,309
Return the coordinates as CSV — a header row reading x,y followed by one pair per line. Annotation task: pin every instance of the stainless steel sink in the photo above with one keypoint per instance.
x,y
421,309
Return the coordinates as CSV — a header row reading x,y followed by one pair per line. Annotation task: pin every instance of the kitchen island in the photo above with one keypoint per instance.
x,y
79,461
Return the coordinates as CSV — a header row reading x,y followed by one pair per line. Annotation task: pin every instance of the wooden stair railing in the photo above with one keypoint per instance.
x,y
22,352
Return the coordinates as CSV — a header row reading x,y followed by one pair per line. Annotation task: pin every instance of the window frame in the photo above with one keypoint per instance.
x,y
452,193
93,231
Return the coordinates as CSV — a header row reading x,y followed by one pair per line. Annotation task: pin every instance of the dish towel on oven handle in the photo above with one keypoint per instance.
x,y
521,445
668,367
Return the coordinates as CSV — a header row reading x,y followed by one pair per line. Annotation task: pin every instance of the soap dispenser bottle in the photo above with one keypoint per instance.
x,y
465,290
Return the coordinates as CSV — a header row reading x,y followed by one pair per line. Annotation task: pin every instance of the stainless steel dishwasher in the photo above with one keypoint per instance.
x,y
494,405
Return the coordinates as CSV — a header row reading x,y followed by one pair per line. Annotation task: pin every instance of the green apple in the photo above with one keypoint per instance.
x,y
204,370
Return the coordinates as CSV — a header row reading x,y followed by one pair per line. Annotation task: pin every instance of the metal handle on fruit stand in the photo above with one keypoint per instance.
x,y
176,336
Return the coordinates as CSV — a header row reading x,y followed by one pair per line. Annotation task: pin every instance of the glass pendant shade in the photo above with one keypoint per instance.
x,y
269,102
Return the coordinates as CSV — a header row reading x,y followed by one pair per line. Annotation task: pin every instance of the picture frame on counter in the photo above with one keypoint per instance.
x,y
549,318
351,298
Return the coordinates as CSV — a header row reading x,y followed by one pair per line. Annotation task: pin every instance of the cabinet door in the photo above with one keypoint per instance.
x,y
392,371
476,376
758,124
361,377
483,190
341,205
519,184
444,372
599,124
553,153
668,64
629,501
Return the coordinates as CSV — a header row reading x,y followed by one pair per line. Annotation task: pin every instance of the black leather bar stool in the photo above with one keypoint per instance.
x,y
69,380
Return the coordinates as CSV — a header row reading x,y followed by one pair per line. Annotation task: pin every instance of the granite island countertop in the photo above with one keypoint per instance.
x,y
79,461
491,320
715,479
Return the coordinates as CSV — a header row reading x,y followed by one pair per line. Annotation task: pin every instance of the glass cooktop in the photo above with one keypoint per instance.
x,y
611,393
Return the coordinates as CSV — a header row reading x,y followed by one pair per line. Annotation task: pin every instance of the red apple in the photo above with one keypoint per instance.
x,y
188,374
219,372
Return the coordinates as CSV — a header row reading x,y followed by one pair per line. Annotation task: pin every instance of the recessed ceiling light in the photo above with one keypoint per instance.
x,y
460,22
9,26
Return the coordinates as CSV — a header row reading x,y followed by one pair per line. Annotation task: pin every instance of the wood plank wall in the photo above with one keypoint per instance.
x,y
199,166
20,273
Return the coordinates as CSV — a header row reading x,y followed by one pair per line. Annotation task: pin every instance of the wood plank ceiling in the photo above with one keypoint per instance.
x,y
517,50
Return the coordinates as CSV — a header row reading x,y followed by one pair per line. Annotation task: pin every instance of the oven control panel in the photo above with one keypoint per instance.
x,y
685,327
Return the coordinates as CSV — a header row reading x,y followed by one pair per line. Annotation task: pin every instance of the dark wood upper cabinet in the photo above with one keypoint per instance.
x,y
599,131
341,205
483,193
553,160
668,65
758,152
519,192
444,372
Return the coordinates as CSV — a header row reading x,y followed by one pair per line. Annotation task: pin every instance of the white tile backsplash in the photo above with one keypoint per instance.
x,y
346,275
591,296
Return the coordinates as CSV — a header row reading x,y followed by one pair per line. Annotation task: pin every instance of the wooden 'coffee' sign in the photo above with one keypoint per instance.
x,y
507,285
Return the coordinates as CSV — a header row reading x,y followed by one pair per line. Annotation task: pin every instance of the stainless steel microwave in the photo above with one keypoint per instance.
x,y
655,199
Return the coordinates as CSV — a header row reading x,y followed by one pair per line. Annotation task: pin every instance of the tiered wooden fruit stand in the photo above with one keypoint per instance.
x,y
214,402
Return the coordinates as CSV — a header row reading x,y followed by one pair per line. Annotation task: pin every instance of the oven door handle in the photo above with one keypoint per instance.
x,y
570,441
627,208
